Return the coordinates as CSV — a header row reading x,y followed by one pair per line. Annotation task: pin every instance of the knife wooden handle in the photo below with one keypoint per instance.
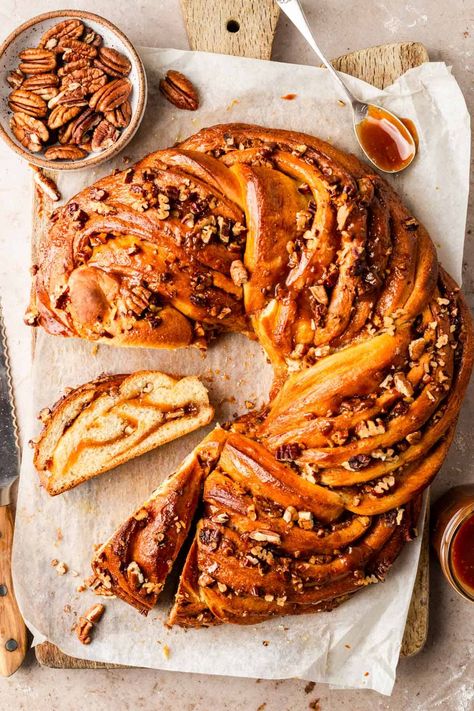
x,y
241,27
13,636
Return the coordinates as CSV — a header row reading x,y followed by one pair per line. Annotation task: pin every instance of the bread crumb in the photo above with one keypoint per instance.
x,y
166,651
59,566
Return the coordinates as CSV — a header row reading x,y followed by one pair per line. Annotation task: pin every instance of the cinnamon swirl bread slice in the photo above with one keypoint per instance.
x,y
108,421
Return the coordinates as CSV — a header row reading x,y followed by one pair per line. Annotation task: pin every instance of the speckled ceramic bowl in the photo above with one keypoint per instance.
x,y
28,35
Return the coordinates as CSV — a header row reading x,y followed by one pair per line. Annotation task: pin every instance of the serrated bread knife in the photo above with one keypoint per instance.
x,y
13,638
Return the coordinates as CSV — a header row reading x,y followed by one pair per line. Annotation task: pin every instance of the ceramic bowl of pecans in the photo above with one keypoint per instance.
x,y
72,90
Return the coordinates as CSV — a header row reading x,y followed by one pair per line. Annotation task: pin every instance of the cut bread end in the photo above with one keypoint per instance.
x,y
136,560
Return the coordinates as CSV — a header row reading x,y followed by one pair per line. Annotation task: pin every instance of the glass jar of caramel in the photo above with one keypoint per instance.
x,y
453,537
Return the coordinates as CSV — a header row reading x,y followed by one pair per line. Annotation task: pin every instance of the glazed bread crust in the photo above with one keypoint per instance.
x,y
283,237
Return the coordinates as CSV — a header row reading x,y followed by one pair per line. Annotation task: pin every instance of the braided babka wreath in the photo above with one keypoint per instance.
x,y
280,236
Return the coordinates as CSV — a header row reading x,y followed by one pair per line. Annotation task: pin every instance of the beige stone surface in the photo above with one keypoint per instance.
x,y
441,676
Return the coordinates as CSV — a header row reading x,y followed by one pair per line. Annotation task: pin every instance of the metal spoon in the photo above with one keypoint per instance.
x,y
383,137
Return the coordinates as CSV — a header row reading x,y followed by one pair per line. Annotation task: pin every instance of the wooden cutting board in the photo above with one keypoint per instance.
x,y
246,28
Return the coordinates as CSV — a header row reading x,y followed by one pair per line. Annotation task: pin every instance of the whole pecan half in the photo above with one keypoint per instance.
x,y
84,124
72,95
37,61
90,79
61,115
31,132
179,91
114,63
27,102
44,85
111,95
87,146
67,29
120,117
69,67
74,49
66,152
104,136
65,132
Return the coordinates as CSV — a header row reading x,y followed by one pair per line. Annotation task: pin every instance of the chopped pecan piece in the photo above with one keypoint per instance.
x,y
15,79
413,437
416,348
360,461
98,194
135,575
288,452
88,621
411,224
93,38
46,184
319,293
238,272
402,384
265,537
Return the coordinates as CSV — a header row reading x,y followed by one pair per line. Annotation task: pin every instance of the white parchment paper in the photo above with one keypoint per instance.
x,y
356,645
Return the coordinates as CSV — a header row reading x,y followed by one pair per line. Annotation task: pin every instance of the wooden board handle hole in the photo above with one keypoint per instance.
x,y
233,26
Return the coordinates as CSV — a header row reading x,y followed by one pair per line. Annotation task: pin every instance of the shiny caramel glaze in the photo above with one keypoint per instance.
x,y
387,141
370,342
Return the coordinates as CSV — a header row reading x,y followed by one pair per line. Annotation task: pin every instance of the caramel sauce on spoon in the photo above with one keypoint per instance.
x,y
388,141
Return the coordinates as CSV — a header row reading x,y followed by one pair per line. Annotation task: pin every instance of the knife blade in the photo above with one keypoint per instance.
x,y
9,445
13,637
